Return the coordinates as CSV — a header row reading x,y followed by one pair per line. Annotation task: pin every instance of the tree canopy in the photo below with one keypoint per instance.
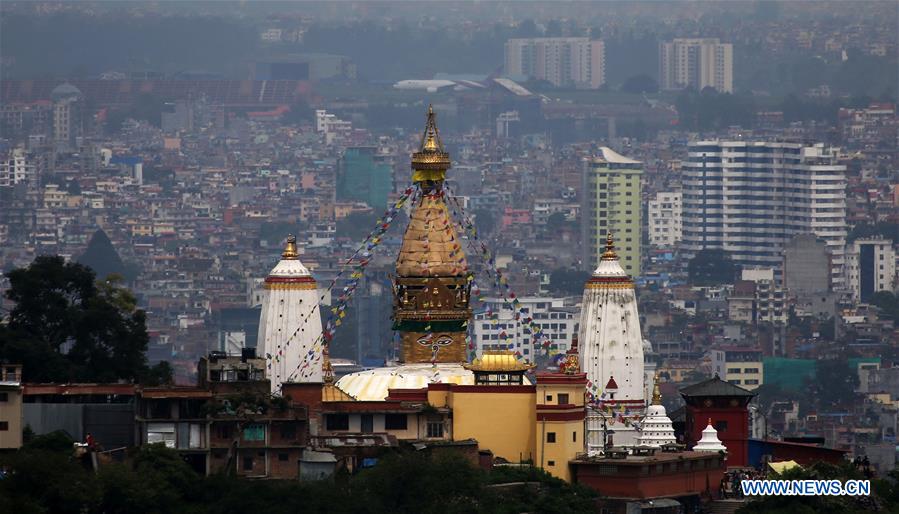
x,y
639,84
65,327
568,281
154,479
711,267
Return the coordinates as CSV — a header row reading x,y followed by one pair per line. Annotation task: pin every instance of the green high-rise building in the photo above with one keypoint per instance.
x,y
363,175
611,201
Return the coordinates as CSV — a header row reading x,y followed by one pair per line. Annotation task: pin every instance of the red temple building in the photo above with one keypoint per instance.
x,y
727,406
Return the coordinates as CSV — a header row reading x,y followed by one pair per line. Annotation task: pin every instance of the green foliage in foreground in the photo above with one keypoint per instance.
x,y
44,478
884,494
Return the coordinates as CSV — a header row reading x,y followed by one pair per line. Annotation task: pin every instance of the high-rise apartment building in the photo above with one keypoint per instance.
x,y
751,198
696,63
67,116
611,203
562,61
871,267
665,219
365,174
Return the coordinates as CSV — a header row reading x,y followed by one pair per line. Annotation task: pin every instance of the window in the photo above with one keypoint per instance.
x,y
4,397
248,463
734,370
224,431
563,398
550,463
395,421
337,422
282,457
288,431
574,437
254,432
721,426
751,370
550,437
435,429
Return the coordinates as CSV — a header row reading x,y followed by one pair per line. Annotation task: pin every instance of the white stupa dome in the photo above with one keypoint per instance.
x,y
709,441
656,427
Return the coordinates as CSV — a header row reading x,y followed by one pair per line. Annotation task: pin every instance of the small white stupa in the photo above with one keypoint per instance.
x,y
709,441
657,427
290,322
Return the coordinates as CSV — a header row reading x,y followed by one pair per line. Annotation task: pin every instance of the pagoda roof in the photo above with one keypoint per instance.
x,y
715,387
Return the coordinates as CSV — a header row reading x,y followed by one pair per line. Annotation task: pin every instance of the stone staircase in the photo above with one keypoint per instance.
x,y
725,506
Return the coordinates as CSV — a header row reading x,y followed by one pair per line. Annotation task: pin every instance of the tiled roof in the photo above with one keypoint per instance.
x,y
715,387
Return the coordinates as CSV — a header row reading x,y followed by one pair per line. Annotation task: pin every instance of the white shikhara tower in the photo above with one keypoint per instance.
x,y
290,322
611,353
610,341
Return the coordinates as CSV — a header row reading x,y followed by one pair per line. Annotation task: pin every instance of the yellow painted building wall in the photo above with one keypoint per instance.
x,y
503,423
748,375
559,441
553,456
11,415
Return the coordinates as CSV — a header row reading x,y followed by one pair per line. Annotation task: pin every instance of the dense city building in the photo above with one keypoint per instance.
x,y
365,174
561,61
696,63
751,198
871,267
611,202
665,223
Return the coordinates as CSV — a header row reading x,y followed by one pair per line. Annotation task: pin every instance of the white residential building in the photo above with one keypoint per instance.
x,y
871,267
15,168
330,125
666,218
751,198
696,63
562,61
557,318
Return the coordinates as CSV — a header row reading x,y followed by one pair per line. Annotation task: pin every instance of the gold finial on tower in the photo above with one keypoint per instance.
x,y
327,370
290,250
609,254
431,161
656,391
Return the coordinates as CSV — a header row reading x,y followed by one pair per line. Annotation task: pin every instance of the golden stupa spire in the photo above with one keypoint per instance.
x,y
290,250
430,162
609,254
656,392
327,370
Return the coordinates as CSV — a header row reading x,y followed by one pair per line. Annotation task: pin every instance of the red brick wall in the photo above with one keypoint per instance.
x,y
735,438
625,485
288,468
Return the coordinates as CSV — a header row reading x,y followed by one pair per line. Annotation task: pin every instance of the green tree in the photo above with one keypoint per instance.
x,y
101,256
825,504
887,303
567,281
484,221
711,267
66,327
639,84
356,225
